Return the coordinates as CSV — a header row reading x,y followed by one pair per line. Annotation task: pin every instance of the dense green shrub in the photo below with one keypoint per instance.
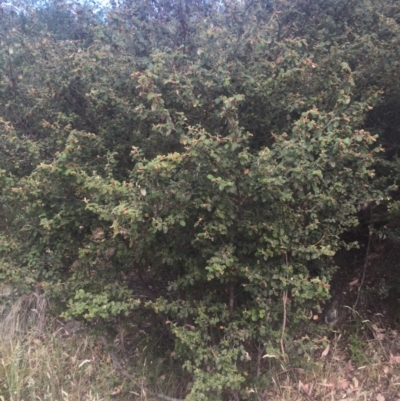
x,y
196,159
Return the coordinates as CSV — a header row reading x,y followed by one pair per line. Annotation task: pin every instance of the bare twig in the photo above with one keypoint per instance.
x,y
260,351
284,299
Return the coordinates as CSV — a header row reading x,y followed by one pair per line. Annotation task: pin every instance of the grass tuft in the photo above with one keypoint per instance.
x,y
42,359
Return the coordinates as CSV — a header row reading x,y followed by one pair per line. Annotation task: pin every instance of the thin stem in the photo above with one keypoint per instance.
x,y
365,267
284,299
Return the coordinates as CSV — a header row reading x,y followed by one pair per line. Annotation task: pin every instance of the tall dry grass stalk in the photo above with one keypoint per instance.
x,y
26,314
38,364
42,359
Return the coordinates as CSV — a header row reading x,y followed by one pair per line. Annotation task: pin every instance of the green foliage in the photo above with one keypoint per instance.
x,y
197,161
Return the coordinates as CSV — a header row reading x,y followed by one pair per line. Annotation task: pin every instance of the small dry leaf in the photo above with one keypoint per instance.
x,y
380,336
97,234
377,329
380,397
386,369
84,362
353,282
343,384
326,351
326,384
117,390
378,332
394,358
349,367
110,252
143,191
303,386
89,370
356,383
307,388
269,356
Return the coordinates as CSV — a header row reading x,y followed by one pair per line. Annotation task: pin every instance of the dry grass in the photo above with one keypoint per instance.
x,y
41,360
28,312
352,367
35,365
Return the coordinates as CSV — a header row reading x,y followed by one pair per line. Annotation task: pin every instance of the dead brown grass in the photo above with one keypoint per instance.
x,y
44,359
338,374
